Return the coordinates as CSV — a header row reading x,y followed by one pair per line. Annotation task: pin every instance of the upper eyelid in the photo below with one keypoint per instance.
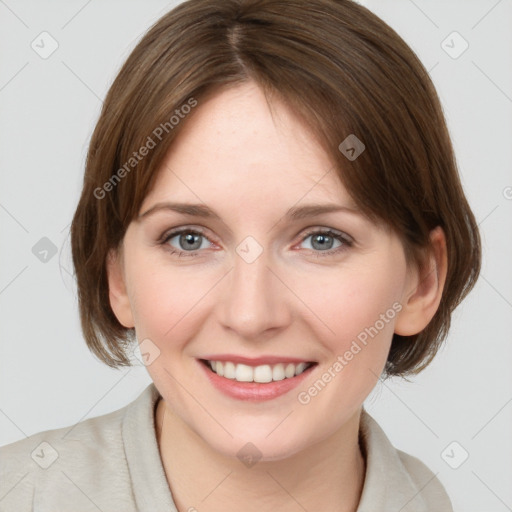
x,y
171,233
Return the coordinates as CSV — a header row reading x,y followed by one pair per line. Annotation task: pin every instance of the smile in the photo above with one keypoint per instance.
x,y
261,374
255,383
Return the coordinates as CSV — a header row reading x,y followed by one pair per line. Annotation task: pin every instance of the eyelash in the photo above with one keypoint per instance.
x,y
344,239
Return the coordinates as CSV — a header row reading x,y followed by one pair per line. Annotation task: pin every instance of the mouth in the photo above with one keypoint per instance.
x,y
262,374
255,383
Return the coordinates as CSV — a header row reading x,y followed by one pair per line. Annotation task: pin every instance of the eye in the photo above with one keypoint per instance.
x,y
323,240
188,241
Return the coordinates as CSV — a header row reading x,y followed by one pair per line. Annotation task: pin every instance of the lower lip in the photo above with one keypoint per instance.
x,y
254,391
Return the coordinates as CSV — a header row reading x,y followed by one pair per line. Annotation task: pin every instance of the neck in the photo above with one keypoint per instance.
x,y
327,476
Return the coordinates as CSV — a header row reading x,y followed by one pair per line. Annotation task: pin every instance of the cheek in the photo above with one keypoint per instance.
x,y
160,301
356,329
359,305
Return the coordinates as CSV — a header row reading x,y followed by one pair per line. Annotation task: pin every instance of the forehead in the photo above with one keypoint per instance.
x,y
234,145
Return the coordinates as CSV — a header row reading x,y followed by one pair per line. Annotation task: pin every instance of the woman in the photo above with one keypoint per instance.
x,y
271,210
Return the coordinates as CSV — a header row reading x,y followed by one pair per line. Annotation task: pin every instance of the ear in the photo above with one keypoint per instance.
x,y
424,288
119,301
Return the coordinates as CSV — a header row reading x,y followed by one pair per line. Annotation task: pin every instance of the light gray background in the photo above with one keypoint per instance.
x,y
48,379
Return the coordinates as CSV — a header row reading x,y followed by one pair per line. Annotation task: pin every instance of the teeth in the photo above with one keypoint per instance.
x,y
242,373
289,371
229,369
262,374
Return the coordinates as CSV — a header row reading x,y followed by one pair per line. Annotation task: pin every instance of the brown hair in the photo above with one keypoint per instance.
x,y
339,68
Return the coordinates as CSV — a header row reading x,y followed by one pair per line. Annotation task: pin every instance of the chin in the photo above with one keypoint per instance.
x,y
254,444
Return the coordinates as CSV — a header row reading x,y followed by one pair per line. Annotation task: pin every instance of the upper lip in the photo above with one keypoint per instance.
x,y
256,361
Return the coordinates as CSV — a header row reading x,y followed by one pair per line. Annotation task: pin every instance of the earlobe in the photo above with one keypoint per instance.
x,y
118,296
424,288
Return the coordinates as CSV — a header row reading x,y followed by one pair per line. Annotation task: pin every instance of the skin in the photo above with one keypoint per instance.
x,y
251,167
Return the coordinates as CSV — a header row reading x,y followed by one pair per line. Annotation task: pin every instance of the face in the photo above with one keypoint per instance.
x,y
256,281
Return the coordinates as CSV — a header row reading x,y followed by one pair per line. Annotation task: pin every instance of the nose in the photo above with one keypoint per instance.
x,y
255,301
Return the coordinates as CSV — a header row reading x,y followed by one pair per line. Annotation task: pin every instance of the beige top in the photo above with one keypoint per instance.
x,y
111,463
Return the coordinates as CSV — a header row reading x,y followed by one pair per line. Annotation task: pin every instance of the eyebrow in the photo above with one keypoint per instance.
x,y
294,213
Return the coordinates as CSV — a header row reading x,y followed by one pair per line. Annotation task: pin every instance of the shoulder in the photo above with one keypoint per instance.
x,y
71,466
425,480
396,479
46,447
